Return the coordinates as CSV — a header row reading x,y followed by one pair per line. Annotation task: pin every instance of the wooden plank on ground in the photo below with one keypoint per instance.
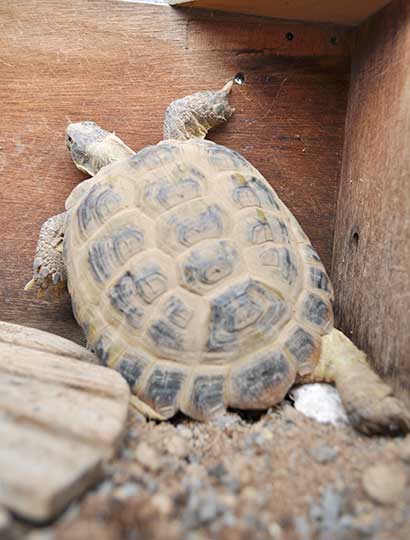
x,y
371,264
59,419
120,64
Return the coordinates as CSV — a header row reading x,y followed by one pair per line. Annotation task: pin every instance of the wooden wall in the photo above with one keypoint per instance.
x,y
120,64
371,263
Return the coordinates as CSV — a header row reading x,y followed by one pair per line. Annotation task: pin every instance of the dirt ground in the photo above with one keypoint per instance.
x,y
275,475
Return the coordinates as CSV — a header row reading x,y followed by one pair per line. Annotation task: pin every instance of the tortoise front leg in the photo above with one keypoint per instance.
x,y
369,402
49,271
193,116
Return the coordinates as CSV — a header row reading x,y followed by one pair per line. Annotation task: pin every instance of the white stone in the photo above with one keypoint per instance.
x,y
321,402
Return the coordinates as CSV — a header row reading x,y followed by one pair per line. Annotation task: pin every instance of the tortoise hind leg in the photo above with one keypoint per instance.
x,y
369,403
49,271
193,116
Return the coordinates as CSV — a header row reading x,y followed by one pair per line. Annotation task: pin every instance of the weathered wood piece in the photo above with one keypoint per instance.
x,y
371,263
336,11
59,419
121,64
24,336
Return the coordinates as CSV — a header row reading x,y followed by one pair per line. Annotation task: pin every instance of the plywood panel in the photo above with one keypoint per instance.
x,y
120,64
336,11
371,265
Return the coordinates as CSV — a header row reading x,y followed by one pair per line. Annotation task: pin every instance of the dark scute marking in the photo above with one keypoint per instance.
x,y
99,261
101,349
251,191
263,228
150,283
255,382
151,157
122,297
206,224
223,157
207,394
131,368
107,254
170,195
210,264
288,267
177,312
320,280
265,193
162,388
316,310
248,309
165,336
282,260
98,205
301,345
311,252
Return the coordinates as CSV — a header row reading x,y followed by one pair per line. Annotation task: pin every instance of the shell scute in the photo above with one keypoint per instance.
x,y
244,313
132,368
102,202
303,348
162,388
262,380
209,264
206,395
164,191
248,190
107,254
259,226
191,223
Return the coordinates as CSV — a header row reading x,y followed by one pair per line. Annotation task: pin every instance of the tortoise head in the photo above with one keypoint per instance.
x,y
93,147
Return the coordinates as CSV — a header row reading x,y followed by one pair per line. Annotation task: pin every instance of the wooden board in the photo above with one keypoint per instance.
x,y
120,64
59,419
336,11
371,264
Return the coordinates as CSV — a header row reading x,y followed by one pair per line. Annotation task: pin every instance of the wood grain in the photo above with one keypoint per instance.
x,y
371,264
121,64
336,11
59,419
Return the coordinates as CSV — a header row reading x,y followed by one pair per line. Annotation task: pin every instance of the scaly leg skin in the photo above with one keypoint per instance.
x,y
193,116
369,403
49,271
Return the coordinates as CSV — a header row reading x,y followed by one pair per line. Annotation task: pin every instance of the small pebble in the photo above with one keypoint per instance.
x,y
147,456
321,402
162,503
384,483
184,432
275,531
217,471
177,446
126,491
324,453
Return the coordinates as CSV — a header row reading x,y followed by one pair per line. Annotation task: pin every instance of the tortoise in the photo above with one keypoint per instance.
x,y
191,277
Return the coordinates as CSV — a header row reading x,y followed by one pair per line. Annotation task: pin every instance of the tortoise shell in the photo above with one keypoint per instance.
x,y
192,279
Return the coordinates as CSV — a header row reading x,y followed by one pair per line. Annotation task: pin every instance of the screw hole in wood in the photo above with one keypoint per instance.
x,y
239,78
354,239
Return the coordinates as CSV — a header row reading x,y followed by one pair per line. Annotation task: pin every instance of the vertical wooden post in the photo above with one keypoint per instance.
x,y
371,258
